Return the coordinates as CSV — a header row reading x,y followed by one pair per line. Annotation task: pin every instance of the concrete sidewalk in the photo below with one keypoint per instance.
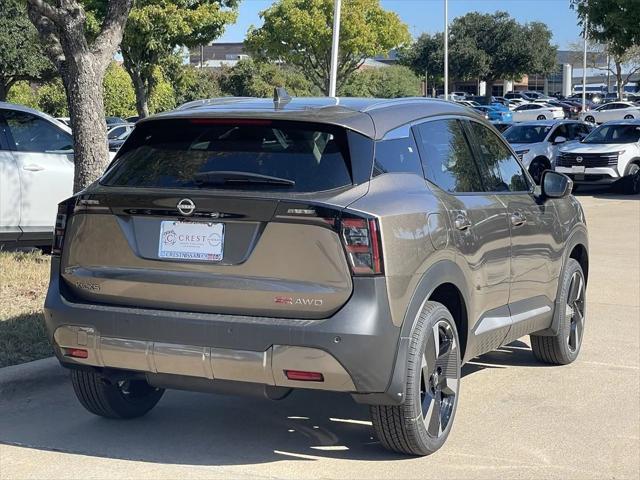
x,y
516,419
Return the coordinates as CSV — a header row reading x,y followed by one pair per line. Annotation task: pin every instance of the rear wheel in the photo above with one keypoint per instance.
x,y
422,424
628,117
589,119
564,347
631,181
538,165
541,117
127,398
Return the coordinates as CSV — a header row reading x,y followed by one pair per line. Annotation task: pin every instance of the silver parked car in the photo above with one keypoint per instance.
x,y
353,245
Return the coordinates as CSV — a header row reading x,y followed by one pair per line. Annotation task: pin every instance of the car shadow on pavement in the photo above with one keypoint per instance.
x,y
189,428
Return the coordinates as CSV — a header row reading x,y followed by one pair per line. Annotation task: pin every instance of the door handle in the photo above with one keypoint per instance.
x,y
517,219
33,168
462,222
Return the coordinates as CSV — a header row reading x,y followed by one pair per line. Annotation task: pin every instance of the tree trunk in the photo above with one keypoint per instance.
x,y
620,85
4,90
142,98
83,83
489,88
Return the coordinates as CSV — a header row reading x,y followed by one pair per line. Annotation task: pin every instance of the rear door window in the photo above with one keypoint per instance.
x,y
242,154
34,134
446,156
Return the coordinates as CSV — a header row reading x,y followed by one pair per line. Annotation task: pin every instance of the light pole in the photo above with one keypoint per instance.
x,y
584,67
446,49
334,47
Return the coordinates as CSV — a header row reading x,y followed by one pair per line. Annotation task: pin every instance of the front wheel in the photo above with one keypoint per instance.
x,y
629,117
589,119
631,181
421,425
541,117
564,347
108,398
537,167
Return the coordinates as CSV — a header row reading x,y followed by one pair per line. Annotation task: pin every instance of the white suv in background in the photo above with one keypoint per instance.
x,y
610,154
611,111
537,143
36,173
536,111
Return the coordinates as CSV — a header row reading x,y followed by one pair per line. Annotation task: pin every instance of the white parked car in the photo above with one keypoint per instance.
x,y
536,111
537,143
36,173
610,154
611,111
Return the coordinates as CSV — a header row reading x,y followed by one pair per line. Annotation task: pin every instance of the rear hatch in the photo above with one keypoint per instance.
x,y
223,216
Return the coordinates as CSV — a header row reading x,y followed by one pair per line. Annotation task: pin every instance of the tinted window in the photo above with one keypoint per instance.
x,y
116,132
560,131
501,172
34,134
614,134
397,155
193,153
447,157
526,133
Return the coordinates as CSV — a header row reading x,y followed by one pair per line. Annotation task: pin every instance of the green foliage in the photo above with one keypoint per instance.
x,y
615,23
156,27
52,99
299,32
425,56
258,79
495,46
387,82
21,56
119,97
190,83
162,97
22,93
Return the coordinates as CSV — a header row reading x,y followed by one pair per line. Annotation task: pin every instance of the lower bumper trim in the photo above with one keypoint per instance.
x,y
266,367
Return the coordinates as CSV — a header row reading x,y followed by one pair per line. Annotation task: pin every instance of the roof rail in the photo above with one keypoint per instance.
x,y
211,101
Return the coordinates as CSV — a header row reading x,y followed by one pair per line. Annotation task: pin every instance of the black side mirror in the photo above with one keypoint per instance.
x,y
555,185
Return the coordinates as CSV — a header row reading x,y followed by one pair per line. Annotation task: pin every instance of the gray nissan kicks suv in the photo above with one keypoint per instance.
x,y
353,245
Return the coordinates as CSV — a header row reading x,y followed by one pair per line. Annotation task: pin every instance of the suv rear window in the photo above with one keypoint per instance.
x,y
241,154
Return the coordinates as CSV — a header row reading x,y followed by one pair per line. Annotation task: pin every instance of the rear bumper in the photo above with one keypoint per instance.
x,y
355,349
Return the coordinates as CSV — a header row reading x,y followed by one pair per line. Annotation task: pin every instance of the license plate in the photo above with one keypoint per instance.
x,y
191,241
577,169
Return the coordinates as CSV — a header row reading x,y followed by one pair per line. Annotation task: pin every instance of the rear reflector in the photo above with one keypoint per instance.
x,y
76,353
304,376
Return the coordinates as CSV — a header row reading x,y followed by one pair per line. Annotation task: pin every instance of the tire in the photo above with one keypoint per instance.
x,y
564,347
537,166
631,181
123,399
541,117
421,425
629,117
589,119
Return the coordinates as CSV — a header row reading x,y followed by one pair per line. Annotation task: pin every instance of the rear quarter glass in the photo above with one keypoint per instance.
x,y
175,154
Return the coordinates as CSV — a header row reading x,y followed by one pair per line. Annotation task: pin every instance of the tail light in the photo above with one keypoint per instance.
x,y
361,239
64,209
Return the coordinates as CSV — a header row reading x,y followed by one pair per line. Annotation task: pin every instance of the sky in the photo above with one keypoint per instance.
x,y
428,15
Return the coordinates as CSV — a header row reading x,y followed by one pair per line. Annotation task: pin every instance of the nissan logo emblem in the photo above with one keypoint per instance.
x,y
186,206
579,159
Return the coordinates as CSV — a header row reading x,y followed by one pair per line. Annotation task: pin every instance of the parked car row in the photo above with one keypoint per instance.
x,y
606,155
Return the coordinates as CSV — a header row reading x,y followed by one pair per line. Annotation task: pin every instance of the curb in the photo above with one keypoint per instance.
x,y
22,378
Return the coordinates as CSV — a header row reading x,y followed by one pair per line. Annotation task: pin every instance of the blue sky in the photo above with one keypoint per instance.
x,y
427,15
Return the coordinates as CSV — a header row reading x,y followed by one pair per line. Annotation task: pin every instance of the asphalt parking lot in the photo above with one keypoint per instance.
x,y
516,418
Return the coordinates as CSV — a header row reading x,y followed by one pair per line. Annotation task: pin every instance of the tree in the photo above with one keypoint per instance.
x,y
21,56
119,97
257,79
22,93
157,27
425,57
190,83
386,82
492,47
616,24
52,99
81,56
299,32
